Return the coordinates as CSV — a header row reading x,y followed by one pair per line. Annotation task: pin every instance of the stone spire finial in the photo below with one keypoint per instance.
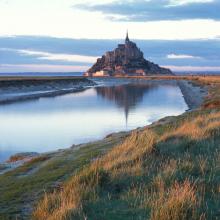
x,y
127,38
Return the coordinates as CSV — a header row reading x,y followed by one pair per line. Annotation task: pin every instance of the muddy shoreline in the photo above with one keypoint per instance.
x,y
193,94
21,89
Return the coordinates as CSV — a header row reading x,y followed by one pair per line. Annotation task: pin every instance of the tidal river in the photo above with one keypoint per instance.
x,y
48,124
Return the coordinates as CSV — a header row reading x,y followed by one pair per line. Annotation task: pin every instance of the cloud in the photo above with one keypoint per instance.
x,y
182,56
54,56
185,2
156,10
59,56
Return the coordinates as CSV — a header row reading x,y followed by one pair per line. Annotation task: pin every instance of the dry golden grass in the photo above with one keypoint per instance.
x,y
131,150
178,202
198,128
202,78
209,79
60,205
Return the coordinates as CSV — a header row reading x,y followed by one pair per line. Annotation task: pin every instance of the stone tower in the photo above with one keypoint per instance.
x,y
127,38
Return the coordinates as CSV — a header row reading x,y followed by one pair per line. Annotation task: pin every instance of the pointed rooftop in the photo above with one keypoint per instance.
x,y
127,38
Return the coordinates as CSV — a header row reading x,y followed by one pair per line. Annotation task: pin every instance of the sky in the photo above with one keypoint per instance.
x,y
69,35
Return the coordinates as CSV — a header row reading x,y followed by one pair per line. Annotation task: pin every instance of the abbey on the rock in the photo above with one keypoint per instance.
x,y
126,60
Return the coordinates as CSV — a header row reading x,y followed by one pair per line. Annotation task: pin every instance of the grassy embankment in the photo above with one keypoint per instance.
x,y
22,187
168,171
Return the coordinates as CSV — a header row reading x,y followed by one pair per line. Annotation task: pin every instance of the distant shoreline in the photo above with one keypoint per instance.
x,y
14,89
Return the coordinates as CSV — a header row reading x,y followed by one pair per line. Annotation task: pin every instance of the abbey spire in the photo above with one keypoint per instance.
x,y
127,38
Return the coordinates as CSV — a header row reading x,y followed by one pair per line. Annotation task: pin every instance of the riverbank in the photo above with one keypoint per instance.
x,y
14,89
194,95
21,188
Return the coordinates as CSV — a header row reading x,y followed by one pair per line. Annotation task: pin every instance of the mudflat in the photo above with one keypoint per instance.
x,y
14,89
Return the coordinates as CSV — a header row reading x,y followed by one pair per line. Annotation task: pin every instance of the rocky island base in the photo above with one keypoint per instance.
x,y
126,60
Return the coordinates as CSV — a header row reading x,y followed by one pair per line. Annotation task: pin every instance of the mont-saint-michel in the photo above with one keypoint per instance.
x,y
126,60
97,128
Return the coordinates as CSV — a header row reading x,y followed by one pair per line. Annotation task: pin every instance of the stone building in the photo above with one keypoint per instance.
x,y
126,59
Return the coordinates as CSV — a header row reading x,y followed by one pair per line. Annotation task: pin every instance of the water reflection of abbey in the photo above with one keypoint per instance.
x,y
125,96
128,96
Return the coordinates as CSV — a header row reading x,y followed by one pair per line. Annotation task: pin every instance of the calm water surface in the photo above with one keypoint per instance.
x,y
48,124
